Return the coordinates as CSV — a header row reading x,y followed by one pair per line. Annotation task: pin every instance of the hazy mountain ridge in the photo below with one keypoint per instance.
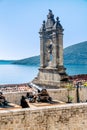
x,y
6,61
75,54
28,61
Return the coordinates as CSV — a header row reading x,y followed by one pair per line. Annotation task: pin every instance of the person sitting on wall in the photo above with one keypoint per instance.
x,y
43,96
24,103
3,101
31,97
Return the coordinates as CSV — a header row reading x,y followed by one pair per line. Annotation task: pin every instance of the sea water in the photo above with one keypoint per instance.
x,y
12,74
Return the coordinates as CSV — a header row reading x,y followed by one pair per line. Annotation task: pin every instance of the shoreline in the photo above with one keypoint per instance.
x,y
78,77
25,86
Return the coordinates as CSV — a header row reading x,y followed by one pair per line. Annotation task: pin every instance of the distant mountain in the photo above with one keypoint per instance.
x,y
28,61
6,61
75,54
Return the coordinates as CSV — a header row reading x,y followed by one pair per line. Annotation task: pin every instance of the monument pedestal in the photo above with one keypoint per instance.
x,y
51,78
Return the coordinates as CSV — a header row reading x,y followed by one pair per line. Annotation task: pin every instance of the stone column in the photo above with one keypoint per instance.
x,y
42,52
60,41
54,52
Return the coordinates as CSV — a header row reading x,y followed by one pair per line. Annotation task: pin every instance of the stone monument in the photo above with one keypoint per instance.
x,y
51,72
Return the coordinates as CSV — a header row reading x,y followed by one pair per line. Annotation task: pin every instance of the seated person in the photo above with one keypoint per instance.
x,y
43,96
24,103
3,101
31,97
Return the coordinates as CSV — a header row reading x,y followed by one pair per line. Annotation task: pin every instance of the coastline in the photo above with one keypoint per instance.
x,y
26,87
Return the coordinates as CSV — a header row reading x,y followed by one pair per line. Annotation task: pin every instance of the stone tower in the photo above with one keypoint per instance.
x,y
51,72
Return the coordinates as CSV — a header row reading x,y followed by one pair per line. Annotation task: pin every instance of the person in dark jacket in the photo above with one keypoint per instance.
x,y
43,96
3,101
31,97
24,103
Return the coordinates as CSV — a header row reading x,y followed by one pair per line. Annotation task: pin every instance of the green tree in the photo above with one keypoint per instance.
x,y
69,87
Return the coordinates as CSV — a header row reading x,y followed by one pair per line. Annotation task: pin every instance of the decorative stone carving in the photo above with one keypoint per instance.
x,y
51,70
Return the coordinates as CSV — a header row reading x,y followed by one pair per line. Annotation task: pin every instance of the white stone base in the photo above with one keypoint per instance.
x,y
50,78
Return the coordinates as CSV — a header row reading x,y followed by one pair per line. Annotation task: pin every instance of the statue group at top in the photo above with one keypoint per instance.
x,y
51,24
51,71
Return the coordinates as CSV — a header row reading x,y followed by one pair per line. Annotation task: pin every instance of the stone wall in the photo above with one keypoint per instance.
x,y
61,94
57,94
62,117
14,97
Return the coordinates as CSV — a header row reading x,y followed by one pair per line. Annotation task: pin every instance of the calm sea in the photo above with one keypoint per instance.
x,y
11,74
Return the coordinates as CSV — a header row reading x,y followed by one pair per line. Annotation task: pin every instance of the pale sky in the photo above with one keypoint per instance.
x,y
20,21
